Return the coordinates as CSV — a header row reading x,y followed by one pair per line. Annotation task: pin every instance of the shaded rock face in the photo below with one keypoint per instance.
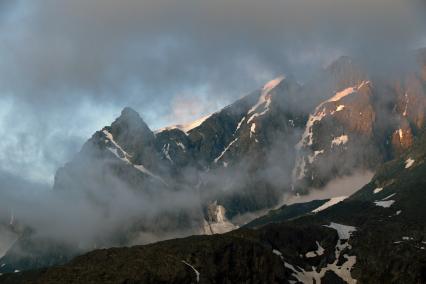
x,y
131,132
135,138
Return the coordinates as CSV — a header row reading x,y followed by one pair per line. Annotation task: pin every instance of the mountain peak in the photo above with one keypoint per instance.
x,y
131,119
345,72
343,60
128,112
273,84
131,131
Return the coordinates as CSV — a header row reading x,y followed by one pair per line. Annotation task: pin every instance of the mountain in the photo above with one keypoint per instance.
x,y
364,123
285,138
237,138
377,235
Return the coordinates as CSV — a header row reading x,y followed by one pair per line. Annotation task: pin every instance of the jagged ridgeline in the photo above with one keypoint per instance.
x,y
208,176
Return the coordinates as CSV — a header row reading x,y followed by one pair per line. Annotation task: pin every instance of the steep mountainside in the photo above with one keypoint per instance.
x,y
238,138
377,235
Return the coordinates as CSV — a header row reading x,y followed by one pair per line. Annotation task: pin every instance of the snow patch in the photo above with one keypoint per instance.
x,y
197,274
329,203
343,271
386,198
401,134
384,204
265,97
340,108
185,127
125,157
252,129
377,190
114,150
312,157
180,144
341,140
346,92
264,100
409,162
272,84
407,100
308,133
396,213
320,251
165,151
225,150
343,231
239,124
144,170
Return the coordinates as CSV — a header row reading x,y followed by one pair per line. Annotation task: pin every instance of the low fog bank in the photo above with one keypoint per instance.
x,y
100,218
72,66
343,186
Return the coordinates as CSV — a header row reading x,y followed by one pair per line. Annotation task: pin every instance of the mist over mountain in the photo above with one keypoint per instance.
x,y
135,122
172,62
130,185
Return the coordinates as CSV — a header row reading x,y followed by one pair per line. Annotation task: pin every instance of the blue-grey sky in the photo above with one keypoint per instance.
x,y
67,68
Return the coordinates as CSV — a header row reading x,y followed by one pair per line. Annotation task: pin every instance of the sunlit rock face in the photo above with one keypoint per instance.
x,y
411,100
381,115
338,137
402,138
216,221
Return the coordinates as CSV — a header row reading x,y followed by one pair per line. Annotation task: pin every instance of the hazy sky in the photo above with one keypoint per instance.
x,y
67,68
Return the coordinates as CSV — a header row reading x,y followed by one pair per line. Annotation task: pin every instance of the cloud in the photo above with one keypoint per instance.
x,y
67,68
343,186
71,62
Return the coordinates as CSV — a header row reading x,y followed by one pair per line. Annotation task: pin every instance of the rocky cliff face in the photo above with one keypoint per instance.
x,y
361,125
216,221
237,139
338,138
